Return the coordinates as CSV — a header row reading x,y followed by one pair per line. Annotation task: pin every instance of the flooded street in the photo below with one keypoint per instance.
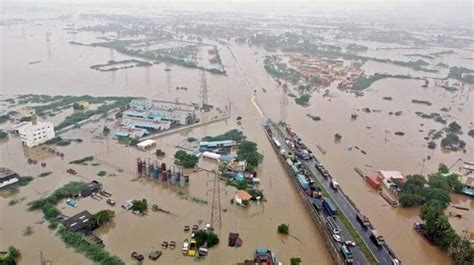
x,y
64,69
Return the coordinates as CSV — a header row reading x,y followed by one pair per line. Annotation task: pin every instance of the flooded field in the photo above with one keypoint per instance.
x,y
64,69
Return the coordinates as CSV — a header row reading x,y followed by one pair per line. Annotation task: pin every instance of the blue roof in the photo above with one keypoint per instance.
x,y
121,133
262,250
239,176
216,143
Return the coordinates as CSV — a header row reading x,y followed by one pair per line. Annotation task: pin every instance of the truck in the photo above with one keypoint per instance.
x,y
373,182
363,220
376,237
303,181
334,184
329,207
317,203
277,143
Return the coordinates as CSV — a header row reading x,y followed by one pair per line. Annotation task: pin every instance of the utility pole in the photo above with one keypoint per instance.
x,y
203,92
168,76
284,103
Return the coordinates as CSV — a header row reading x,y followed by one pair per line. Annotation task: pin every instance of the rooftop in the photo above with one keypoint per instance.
x,y
146,143
391,174
77,222
242,194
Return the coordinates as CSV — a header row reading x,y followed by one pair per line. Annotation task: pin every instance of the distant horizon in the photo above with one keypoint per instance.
x,y
458,12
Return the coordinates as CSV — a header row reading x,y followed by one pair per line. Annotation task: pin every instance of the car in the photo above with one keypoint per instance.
x,y
110,202
127,205
336,237
154,255
395,262
350,243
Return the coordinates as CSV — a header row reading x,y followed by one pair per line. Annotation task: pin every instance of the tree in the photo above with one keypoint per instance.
x,y
337,137
140,205
203,237
454,183
77,106
283,229
410,200
295,261
100,218
454,127
10,257
461,252
160,153
248,151
106,130
438,194
185,159
241,185
431,145
3,135
437,224
443,168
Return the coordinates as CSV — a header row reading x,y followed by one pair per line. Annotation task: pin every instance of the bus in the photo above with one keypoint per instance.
x,y
346,253
332,225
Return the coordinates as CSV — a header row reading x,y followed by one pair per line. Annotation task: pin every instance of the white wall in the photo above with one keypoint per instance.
x,y
32,135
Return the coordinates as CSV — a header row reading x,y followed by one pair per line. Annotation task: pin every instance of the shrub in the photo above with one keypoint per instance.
x,y
283,229
160,153
140,205
295,261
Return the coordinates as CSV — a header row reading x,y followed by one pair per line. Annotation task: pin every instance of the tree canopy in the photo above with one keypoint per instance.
x,y
185,159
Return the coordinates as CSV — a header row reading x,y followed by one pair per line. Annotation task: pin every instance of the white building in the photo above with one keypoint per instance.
x,y
35,133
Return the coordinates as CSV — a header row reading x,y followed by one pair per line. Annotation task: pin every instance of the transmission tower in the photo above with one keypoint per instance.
x,y
168,77
44,261
216,220
283,103
203,92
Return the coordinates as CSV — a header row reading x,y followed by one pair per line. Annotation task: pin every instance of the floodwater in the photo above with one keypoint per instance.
x,y
64,69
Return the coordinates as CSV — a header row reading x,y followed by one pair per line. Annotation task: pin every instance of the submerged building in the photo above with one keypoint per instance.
x,y
7,177
155,110
35,133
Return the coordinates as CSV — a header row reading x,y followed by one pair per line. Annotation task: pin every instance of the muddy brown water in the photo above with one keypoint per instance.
x,y
65,69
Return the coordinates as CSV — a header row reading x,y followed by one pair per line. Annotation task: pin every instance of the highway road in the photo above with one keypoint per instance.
x,y
382,254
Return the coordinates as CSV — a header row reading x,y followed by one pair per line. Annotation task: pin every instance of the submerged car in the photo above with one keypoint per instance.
x,y
154,255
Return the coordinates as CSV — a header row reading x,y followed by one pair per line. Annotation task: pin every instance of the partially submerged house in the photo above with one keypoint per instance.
x,y
78,222
7,177
242,197
91,188
234,240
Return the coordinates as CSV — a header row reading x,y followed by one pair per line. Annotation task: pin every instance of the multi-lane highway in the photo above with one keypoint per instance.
x,y
383,254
